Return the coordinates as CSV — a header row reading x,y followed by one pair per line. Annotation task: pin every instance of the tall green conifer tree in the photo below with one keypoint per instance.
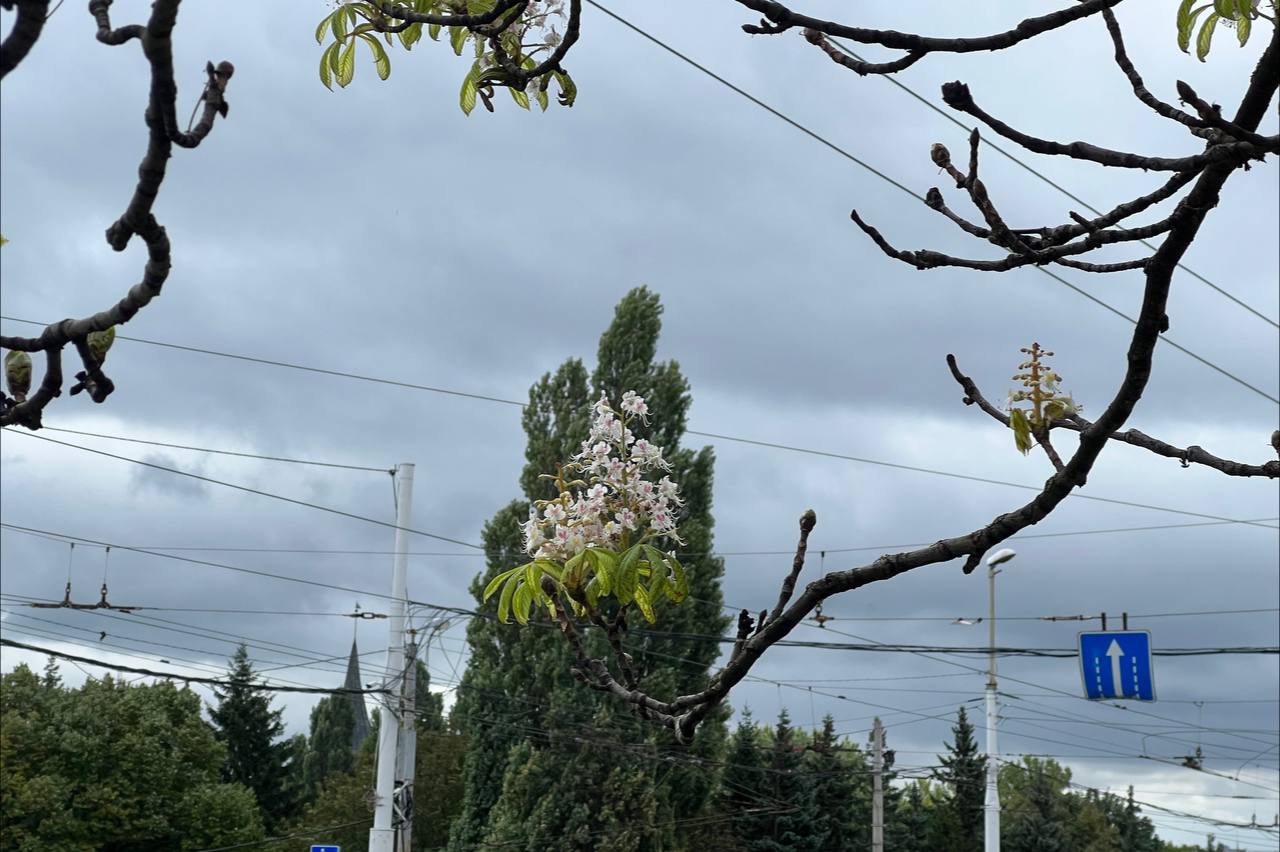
x,y
545,769
964,772
252,732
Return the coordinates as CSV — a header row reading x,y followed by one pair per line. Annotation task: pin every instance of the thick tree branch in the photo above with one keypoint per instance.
x,y
137,219
1075,423
780,18
1212,116
26,31
518,76
957,96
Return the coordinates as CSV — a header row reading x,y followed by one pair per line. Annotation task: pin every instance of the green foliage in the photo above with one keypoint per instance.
x,y
329,744
526,37
112,767
251,732
100,341
964,773
17,373
1237,14
548,758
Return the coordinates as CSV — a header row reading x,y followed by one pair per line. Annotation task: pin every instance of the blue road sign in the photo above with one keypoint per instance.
x,y
326,849
1117,664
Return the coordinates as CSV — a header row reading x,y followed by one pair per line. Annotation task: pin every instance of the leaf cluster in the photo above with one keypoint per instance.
x,y
1239,14
364,21
640,575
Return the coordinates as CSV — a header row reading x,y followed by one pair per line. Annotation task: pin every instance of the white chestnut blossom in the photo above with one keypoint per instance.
x,y
610,496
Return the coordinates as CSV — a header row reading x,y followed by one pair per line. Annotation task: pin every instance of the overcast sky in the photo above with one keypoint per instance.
x,y
379,231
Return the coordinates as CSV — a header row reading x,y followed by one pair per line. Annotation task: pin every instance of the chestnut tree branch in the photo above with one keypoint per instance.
x,y
137,219
27,27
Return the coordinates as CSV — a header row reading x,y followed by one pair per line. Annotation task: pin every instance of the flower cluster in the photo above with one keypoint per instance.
x,y
609,495
1041,389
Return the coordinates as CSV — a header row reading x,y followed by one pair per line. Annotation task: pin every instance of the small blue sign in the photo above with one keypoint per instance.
x,y
1117,664
326,849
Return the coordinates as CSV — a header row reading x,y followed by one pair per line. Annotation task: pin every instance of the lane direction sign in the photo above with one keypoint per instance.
x,y
326,849
1117,664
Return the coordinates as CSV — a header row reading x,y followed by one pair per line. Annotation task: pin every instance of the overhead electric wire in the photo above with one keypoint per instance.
x,y
713,435
721,553
890,78
220,452
304,503
185,678
905,189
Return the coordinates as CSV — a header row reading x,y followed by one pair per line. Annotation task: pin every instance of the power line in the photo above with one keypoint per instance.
x,y
902,187
249,490
208,681
713,435
721,553
1043,177
221,452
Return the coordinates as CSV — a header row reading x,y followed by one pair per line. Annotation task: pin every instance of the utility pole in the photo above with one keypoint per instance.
x,y
408,743
383,834
991,808
877,794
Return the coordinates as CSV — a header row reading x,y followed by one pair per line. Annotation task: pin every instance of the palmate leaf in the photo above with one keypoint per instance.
x,y
496,582
646,606
1205,39
1187,22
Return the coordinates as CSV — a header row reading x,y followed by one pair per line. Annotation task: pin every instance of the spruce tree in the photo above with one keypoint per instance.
x,y
252,732
833,770
963,771
915,821
550,761
745,789
794,829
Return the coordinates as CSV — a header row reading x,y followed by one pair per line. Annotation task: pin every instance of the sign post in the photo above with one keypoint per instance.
x,y
1116,664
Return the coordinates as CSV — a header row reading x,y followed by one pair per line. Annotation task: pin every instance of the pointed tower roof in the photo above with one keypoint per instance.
x,y
360,730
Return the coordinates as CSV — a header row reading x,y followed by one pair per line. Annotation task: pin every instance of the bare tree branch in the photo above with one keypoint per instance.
x,y
838,56
1188,455
807,522
957,96
26,31
137,219
779,19
1212,116
1135,79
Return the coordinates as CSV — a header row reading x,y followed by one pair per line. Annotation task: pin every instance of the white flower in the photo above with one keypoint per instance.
x,y
554,513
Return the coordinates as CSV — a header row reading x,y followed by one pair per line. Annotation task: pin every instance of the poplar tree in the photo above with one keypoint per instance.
x,y
551,765
252,733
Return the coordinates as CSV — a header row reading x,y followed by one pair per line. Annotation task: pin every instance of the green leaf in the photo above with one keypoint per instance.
x,y
381,61
496,582
549,567
544,100
347,64
658,586
592,591
678,590
326,71
339,22
324,25
504,602
1225,8
533,578
646,606
410,35
1205,39
457,38
519,96
1243,27
521,602
1187,24
433,30
1021,431
467,96
568,91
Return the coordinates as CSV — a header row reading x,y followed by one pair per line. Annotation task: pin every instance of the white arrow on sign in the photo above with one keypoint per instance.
x,y
1114,652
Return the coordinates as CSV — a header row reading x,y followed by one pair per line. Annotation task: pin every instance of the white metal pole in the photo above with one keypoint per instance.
x,y
991,827
382,835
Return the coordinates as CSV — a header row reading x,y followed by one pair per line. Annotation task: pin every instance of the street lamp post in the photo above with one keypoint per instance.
x,y
991,809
